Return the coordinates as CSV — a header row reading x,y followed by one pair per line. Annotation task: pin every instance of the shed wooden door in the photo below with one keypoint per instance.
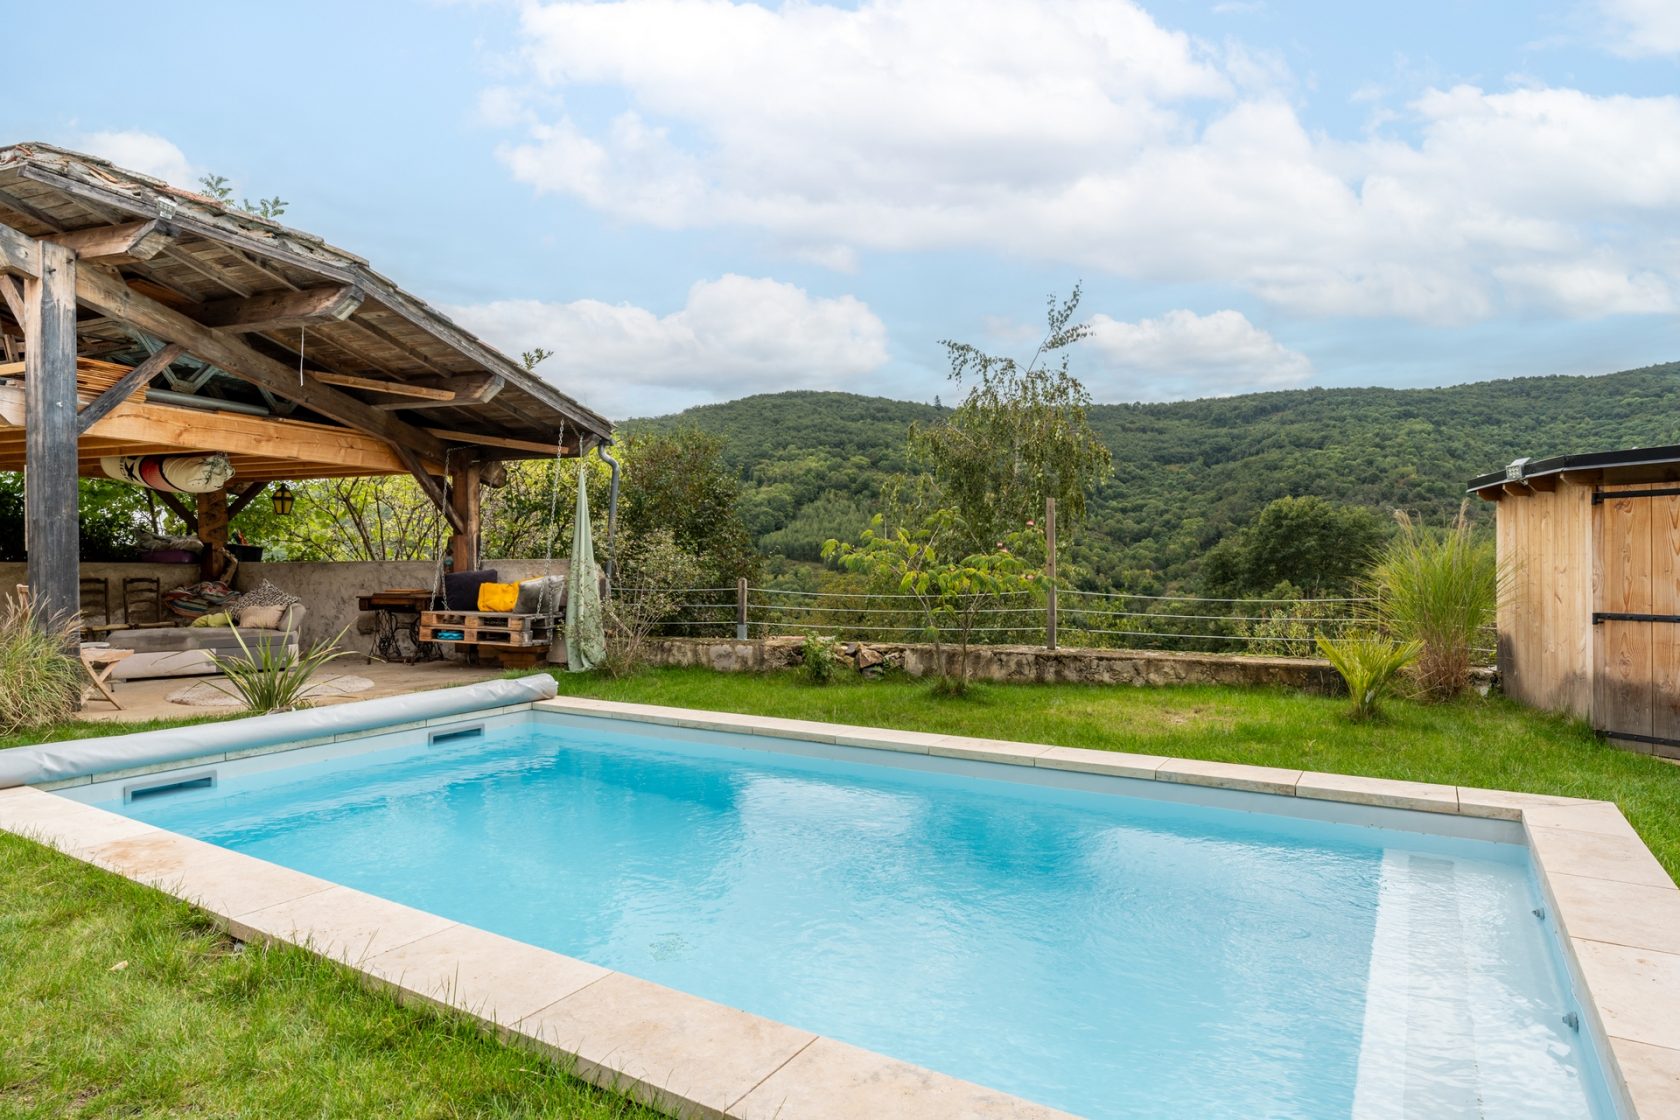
x,y
1636,622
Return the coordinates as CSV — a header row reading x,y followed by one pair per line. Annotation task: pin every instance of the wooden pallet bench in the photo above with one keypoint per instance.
x,y
511,637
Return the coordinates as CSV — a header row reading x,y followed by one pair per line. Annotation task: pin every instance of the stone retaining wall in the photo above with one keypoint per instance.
x,y
1025,663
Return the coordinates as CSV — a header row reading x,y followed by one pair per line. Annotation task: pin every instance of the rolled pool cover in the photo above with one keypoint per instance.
x,y
76,758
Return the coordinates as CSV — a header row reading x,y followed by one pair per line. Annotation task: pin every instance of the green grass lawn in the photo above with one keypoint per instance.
x,y
192,1025
116,1001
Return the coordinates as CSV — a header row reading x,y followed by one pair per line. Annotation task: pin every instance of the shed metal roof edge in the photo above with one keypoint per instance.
x,y
1557,464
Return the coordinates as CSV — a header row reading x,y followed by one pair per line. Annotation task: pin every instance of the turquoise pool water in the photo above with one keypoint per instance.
x,y
1114,956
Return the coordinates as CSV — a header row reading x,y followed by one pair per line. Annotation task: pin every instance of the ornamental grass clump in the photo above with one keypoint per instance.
x,y
1439,590
1369,664
271,679
40,678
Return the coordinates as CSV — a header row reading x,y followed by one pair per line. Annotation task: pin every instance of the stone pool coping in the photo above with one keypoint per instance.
x,y
1616,909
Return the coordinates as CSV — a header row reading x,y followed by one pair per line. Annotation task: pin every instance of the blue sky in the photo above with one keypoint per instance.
x,y
691,200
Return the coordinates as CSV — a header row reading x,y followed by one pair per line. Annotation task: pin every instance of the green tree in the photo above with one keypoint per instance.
x,y
1314,545
1021,435
953,590
678,481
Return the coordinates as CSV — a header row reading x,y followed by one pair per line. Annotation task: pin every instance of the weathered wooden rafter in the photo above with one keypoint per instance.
x,y
465,389
107,293
101,406
274,310
119,244
396,388
477,440
20,254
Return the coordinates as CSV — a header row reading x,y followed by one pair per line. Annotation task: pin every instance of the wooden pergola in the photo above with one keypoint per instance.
x,y
138,318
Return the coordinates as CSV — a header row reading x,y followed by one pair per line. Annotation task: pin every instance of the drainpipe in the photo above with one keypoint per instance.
x,y
612,505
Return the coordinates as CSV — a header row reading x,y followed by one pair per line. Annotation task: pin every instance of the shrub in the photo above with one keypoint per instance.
x,y
657,572
1369,665
1439,590
821,659
40,683
268,678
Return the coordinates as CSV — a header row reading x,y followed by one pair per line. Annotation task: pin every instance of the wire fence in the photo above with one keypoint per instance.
x,y
1061,618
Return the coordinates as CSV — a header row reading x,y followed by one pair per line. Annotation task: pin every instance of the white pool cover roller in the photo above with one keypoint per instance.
x,y
56,762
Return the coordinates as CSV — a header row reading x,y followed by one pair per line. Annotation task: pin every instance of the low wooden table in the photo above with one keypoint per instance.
x,y
97,664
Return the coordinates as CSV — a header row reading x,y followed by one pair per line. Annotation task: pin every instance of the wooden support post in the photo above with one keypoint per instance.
x,y
50,414
1050,572
741,609
463,499
213,531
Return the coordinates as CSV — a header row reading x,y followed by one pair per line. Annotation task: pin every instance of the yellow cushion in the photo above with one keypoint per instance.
x,y
497,596
220,618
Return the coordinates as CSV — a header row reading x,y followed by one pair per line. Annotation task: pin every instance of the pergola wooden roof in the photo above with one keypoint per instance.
x,y
139,318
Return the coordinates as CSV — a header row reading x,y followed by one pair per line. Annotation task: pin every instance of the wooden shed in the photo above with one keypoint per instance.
x,y
1589,622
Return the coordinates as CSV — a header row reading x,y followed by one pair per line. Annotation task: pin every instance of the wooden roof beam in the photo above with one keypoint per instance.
x,y
452,392
119,244
273,310
19,254
393,388
106,293
475,439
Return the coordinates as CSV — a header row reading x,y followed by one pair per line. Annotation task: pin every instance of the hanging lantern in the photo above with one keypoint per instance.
x,y
283,500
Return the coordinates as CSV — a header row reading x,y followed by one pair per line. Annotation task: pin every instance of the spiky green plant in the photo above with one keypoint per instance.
x,y
1439,590
40,679
1369,664
268,678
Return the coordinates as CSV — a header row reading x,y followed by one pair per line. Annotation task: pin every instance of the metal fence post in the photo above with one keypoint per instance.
x,y
1050,572
741,609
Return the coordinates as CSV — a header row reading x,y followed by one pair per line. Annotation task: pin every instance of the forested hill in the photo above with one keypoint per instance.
x,y
1188,472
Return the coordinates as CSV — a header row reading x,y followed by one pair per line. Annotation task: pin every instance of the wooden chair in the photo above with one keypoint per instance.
x,y
95,600
142,599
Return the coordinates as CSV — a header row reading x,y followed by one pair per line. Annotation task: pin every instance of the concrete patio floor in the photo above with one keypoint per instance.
x,y
147,700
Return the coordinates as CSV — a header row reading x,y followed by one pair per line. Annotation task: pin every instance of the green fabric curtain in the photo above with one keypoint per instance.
x,y
586,637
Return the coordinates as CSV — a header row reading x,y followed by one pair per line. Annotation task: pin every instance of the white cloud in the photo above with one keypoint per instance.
x,y
145,152
734,336
1643,27
1083,132
1182,354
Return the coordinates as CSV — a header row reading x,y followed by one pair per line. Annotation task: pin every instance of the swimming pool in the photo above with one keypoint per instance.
x,y
1077,940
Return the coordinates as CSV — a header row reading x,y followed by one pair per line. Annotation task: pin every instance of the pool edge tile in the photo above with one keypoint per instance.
x,y
1622,858
340,923
1389,793
1648,1077
496,980
1629,987
987,750
1635,915
1230,775
677,1051
832,1080
1118,764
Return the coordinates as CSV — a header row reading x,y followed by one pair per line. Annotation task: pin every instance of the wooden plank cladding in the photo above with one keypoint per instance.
x,y
1545,613
1589,620
1622,700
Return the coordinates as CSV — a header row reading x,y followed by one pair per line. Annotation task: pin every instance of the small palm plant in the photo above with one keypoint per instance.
x,y
1369,664
269,679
